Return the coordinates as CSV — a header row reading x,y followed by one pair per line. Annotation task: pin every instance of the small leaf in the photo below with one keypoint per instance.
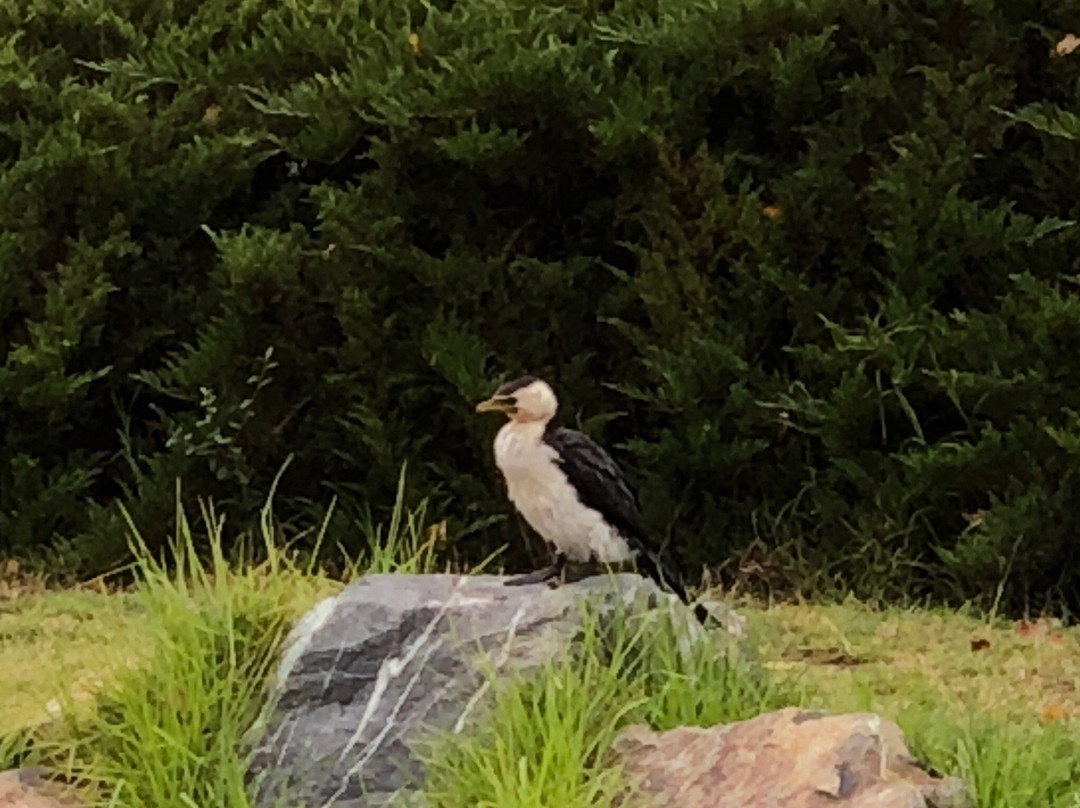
x,y
1054,712
1067,45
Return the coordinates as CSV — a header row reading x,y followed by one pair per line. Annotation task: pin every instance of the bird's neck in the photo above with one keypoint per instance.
x,y
524,431
517,441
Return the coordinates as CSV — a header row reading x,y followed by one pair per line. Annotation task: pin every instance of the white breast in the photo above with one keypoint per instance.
x,y
541,492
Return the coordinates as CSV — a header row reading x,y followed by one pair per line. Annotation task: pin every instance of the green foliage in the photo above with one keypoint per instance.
x,y
820,258
407,545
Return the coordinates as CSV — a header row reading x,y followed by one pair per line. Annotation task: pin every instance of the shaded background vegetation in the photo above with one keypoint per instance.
x,y
811,269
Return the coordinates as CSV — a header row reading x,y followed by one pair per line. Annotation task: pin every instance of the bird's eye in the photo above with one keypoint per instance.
x,y
511,400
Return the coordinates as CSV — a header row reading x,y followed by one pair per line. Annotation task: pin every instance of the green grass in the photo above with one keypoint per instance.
x,y
65,645
407,544
176,667
544,739
155,687
899,660
1004,765
167,732
992,701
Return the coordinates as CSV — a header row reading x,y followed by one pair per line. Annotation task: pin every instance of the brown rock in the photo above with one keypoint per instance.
x,y
27,788
791,758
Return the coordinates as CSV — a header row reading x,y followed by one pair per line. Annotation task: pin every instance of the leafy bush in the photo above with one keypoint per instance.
x,y
811,267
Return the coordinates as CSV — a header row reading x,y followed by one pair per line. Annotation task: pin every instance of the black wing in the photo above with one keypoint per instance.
x,y
601,486
599,482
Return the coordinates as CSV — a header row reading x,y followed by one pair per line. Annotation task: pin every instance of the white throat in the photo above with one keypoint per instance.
x,y
542,493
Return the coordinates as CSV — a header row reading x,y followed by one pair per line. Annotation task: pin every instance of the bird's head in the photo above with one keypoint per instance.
x,y
525,399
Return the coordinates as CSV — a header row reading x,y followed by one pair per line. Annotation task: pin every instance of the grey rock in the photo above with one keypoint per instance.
x,y
367,673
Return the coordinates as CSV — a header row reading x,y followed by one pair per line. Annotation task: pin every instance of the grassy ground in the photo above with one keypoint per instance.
x,y
60,646
930,670
155,687
854,657
995,702
64,646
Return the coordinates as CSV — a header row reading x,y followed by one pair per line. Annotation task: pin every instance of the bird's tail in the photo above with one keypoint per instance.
x,y
666,577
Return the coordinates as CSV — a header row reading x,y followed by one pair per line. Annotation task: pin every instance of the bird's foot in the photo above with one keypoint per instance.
x,y
581,571
539,576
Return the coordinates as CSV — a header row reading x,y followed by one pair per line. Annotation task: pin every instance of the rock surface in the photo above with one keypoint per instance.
x,y
26,788
366,672
786,759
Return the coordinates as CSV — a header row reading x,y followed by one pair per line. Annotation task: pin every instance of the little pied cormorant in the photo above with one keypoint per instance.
x,y
569,490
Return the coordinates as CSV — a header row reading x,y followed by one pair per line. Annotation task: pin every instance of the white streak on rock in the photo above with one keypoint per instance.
x,y
390,669
328,677
300,637
504,657
466,600
288,742
376,742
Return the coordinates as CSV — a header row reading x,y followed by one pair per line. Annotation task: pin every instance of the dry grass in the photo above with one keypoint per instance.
x,y
899,662
60,647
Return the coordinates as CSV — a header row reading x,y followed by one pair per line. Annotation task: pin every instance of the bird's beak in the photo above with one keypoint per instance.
x,y
495,404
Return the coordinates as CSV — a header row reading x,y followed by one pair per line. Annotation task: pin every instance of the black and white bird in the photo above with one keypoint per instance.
x,y
570,491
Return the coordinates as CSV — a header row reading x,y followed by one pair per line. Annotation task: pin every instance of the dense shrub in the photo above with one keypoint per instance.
x,y
812,267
